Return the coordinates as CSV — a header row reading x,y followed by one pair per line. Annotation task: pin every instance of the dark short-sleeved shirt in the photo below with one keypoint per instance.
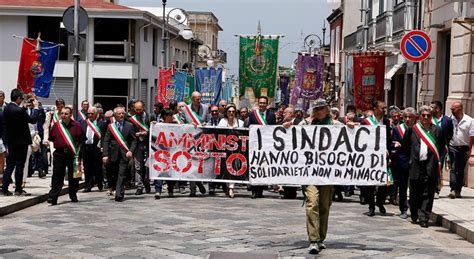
x,y
76,132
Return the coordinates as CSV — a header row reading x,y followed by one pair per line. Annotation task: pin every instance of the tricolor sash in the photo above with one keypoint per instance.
x,y
74,149
82,115
260,118
370,120
194,116
402,128
119,137
178,118
135,119
112,119
429,141
93,126
54,118
437,122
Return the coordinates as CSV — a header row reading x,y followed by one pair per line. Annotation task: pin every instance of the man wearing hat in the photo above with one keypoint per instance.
x,y
318,198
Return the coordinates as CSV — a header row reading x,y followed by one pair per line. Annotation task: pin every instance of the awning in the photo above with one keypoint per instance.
x,y
393,70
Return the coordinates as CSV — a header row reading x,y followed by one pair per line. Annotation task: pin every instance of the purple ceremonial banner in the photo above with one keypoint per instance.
x,y
309,80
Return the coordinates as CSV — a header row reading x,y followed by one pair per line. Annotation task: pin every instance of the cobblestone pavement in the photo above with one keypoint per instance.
x,y
183,227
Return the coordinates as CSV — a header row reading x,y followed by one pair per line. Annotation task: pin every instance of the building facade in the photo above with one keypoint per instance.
x,y
120,50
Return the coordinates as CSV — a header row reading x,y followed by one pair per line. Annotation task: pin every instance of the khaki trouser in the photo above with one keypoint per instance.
x,y
318,202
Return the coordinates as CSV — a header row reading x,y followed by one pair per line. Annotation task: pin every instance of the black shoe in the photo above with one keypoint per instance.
x,y
7,193
52,201
370,213
192,194
260,195
22,193
101,188
414,220
147,188
74,200
157,196
362,200
170,194
212,193
139,192
41,174
87,190
424,224
382,209
202,189
118,199
254,195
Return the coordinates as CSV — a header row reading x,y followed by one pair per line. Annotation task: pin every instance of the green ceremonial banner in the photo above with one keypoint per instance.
x,y
189,88
258,65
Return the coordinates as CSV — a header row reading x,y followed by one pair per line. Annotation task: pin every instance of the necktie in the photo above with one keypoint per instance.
x,y
119,126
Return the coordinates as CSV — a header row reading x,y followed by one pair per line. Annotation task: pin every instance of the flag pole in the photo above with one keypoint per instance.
x,y
76,57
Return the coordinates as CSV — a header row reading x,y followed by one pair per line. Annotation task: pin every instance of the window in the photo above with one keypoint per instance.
x,y
51,31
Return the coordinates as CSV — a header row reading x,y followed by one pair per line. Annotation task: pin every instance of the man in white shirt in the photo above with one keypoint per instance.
x,y
460,147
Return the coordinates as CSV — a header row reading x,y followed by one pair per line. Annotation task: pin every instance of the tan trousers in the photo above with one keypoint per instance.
x,y
318,203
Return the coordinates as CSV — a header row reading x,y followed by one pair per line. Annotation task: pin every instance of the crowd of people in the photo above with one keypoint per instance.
x,y
112,147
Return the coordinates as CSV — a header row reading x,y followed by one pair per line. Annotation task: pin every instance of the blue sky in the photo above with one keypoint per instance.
x,y
292,18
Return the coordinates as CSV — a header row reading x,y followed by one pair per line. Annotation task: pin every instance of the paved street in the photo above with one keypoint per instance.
x,y
184,227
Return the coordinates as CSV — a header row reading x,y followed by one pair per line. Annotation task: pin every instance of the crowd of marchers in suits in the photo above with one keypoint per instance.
x,y
112,147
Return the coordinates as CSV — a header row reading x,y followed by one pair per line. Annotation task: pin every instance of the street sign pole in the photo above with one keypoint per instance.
x,y
76,57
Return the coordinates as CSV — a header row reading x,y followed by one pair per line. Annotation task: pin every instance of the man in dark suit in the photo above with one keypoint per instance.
x,y
268,115
447,126
261,116
91,150
424,141
18,138
141,121
119,145
368,192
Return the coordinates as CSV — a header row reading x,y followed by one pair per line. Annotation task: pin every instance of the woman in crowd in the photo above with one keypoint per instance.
x,y
231,121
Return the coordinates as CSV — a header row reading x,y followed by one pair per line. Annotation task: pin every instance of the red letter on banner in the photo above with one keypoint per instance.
x,y
175,160
162,156
231,159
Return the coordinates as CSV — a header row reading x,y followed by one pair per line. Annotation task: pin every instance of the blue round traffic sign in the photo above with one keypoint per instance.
x,y
416,46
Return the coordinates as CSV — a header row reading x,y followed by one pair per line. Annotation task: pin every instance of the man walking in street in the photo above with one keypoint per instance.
x,y
91,150
141,121
446,125
424,140
318,198
196,114
378,118
67,137
119,145
18,138
460,147
289,119
261,116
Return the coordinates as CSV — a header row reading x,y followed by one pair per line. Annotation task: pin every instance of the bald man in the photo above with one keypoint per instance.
x,y
460,148
200,109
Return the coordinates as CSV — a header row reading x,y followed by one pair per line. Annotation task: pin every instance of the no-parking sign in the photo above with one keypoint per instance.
x,y
416,46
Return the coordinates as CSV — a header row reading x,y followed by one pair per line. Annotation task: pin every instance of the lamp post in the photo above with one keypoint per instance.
x,y
76,56
163,34
185,33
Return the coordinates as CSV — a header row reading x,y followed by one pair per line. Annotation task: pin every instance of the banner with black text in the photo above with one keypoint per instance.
x,y
189,153
318,155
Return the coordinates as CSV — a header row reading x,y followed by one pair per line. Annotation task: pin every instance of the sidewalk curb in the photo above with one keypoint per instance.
x,y
451,223
32,201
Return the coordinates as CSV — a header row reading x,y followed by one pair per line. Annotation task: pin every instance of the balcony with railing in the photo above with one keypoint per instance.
x,y
383,28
